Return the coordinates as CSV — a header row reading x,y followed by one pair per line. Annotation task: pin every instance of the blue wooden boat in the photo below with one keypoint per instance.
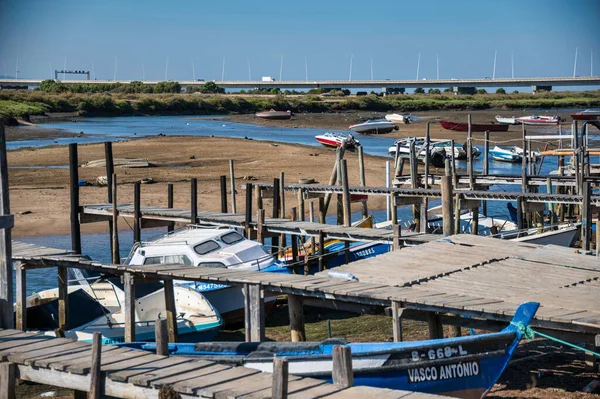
x,y
465,367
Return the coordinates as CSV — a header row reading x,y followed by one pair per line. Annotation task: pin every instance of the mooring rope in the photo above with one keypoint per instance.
x,y
530,333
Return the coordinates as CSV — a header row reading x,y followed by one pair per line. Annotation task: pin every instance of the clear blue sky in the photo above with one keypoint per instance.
x,y
543,35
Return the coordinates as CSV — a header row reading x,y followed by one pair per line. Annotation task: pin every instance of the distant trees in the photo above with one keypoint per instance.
x,y
419,90
52,86
481,91
211,87
434,91
448,90
500,91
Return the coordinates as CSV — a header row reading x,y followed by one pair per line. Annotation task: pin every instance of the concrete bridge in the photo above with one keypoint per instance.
x,y
458,84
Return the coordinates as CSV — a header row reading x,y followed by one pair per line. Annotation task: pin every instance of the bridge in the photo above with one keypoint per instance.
x,y
535,83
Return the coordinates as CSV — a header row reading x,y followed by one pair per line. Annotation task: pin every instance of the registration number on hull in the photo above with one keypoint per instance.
x,y
443,372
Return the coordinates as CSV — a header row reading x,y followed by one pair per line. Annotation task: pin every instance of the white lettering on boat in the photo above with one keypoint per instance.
x,y
443,372
365,252
439,353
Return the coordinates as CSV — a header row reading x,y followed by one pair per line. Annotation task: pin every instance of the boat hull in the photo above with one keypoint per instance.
x,y
584,117
274,115
475,127
373,129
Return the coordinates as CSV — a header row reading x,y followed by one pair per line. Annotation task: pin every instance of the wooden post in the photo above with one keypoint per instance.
x,y
63,298
6,266
321,210
346,195
137,214
524,161
342,366
8,373
260,226
129,306
388,201
161,337
194,201
116,255
322,264
247,313
447,196
586,216
425,203
171,310
396,237
453,165
475,221
520,221
486,162
296,313
282,193
551,213
436,330
257,316
598,235
470,153
277,194
397,321
361,175
248,219
279,389
334,175
223,181
96,382
21,308
454,331
394,209
171,226
456,216
110,170
74,186
414,184
232,178
258,196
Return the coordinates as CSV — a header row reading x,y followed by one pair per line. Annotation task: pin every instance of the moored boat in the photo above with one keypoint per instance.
x,y
475,127
377,126
511,153
398,119
539,120
587,115
437,154
464,367
273,114
338,140
507,121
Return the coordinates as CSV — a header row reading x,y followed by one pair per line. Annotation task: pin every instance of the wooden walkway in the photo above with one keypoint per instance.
x,y
128,373
161,216
462,275
20,249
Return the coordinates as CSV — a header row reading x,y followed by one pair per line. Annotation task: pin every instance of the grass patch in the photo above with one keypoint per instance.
x,y
20,109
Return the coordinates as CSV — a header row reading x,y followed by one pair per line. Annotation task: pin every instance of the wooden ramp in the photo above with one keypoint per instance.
x,y
127,373
20,249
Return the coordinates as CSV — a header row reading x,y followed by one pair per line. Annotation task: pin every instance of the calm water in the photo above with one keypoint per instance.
x,y
123,128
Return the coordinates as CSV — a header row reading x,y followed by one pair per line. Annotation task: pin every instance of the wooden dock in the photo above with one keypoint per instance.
x,y
128,373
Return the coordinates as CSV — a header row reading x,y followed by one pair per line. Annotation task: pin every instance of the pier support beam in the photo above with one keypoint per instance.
x,y
447,196
171,226
63,298
74,187
248,219
171,310
223,181
342,374
20,308
397,321
8,379
296,312
6,269
137,214
436,330
129,307
254,312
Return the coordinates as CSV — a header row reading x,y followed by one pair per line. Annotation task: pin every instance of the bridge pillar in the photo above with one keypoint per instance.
x,y
537,88
464,90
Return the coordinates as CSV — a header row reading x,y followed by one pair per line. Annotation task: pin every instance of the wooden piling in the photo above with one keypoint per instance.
x,y
346,195
223,186
586,216
171,310
339,155
277,196
342,374
63,298
425,203
296,313
282,194
279,389
397,234
447,199
247,313
116,254
248,219
362,180
436,330
161,337
598,235
171,226
456,216
524,161
137,214
96,381
194,201
322,210
6,267
257,317
301,210
74,188
8,374
21,299
260,226
486,163
232,182
322,262
129,306
470,153
453,164
397,321
413,184
110,170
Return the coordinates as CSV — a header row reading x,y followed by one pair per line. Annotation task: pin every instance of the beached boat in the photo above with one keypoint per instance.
x,y
338,140
475,127
216,248
511,153
539,120
96,307
507,121
273,114
399,119
587,115
437,153
460,150
377,126
464,367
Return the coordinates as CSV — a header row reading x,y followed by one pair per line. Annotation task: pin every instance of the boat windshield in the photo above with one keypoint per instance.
x,y
206,247
231,237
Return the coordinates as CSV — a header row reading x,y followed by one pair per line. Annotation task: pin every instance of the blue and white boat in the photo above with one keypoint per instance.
x,y
211,247
464,367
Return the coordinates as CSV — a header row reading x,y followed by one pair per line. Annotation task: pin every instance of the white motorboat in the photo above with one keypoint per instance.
x,y
511,153
97,307
216,248
377,126
508,121
338,140
539,120
437,154
399,119
273,114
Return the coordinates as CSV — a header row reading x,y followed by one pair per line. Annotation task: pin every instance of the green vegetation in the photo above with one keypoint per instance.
x,y
419,90
434,91
208,87
21,103
481,91
500,91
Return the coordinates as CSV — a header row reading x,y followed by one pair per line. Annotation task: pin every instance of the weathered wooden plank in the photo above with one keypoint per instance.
x,y
82,366
182,377
28,358
145,379
147,368
60,363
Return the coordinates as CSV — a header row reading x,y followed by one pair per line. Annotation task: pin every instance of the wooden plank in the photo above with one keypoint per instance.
x,y
148,368
82,366
28,358
250,385
145,379
59,363
205,372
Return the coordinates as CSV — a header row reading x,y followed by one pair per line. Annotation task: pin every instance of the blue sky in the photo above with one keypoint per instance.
x,y
543,35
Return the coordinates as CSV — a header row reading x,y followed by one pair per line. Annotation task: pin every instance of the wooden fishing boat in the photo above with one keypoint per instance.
x,y
273,114
377,126
475,127
539,120
507,121
338,140
464,367
587,115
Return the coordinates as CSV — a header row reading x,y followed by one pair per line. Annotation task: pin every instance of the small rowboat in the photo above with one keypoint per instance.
x,y
587,115
539,120
377,126
272,114
464,367
338,140
507,121
475,127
